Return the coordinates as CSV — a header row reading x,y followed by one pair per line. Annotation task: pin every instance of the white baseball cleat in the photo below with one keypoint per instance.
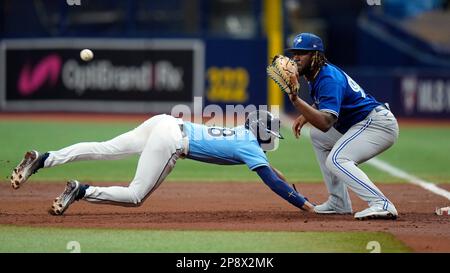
x,y
377,212
66,198
326,208
28,166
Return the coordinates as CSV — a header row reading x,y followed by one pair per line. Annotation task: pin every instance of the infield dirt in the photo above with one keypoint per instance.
x,y
232,206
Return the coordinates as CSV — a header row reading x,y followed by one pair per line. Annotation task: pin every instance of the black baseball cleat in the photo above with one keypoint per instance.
x,y
29,165
70,194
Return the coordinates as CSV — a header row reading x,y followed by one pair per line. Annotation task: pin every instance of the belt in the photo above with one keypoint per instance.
x,y
381,107
185,139
181,125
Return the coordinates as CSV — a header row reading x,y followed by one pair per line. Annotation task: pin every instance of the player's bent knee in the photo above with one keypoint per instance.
x,y
329,163
137,202
333,162
137,199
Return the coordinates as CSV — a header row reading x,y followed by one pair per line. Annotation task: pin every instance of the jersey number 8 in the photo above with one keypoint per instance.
x,y
218,131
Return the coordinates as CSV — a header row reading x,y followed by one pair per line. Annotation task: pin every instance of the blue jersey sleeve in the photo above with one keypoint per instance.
x,y
252,155
280,187
329,97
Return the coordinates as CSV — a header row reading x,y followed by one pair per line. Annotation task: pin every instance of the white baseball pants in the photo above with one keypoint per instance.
x,y
159,141
339,155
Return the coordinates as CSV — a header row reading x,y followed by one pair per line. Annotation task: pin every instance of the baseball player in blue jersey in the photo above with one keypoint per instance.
x,y
160,141
349,127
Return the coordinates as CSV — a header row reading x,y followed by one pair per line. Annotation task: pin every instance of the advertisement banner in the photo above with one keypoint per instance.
x,y
425,96
124,75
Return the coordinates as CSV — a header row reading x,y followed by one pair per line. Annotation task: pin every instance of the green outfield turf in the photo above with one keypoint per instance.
x,y
25,239
420,151
423,152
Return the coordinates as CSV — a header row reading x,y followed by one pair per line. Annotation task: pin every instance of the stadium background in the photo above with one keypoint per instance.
x,y
153,55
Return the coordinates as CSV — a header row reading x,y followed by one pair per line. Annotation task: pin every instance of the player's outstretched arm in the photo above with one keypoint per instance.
x,y
283,189
278,173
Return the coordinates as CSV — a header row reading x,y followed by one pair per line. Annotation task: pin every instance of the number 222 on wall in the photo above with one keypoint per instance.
x,y
228,84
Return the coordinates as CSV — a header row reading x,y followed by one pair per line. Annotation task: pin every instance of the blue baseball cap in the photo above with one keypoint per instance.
x,y
306,41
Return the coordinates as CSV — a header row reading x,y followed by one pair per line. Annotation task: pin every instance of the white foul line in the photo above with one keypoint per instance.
x,y
379,164
384,166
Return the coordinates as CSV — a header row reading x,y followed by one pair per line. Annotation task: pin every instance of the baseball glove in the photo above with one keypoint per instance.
x,y
283,71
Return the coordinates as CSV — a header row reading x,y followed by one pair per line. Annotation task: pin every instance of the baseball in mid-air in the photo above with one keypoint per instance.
x,y
86,55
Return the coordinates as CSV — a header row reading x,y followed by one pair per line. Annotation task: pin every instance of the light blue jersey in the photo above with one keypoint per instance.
x,y
335,92
224,146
